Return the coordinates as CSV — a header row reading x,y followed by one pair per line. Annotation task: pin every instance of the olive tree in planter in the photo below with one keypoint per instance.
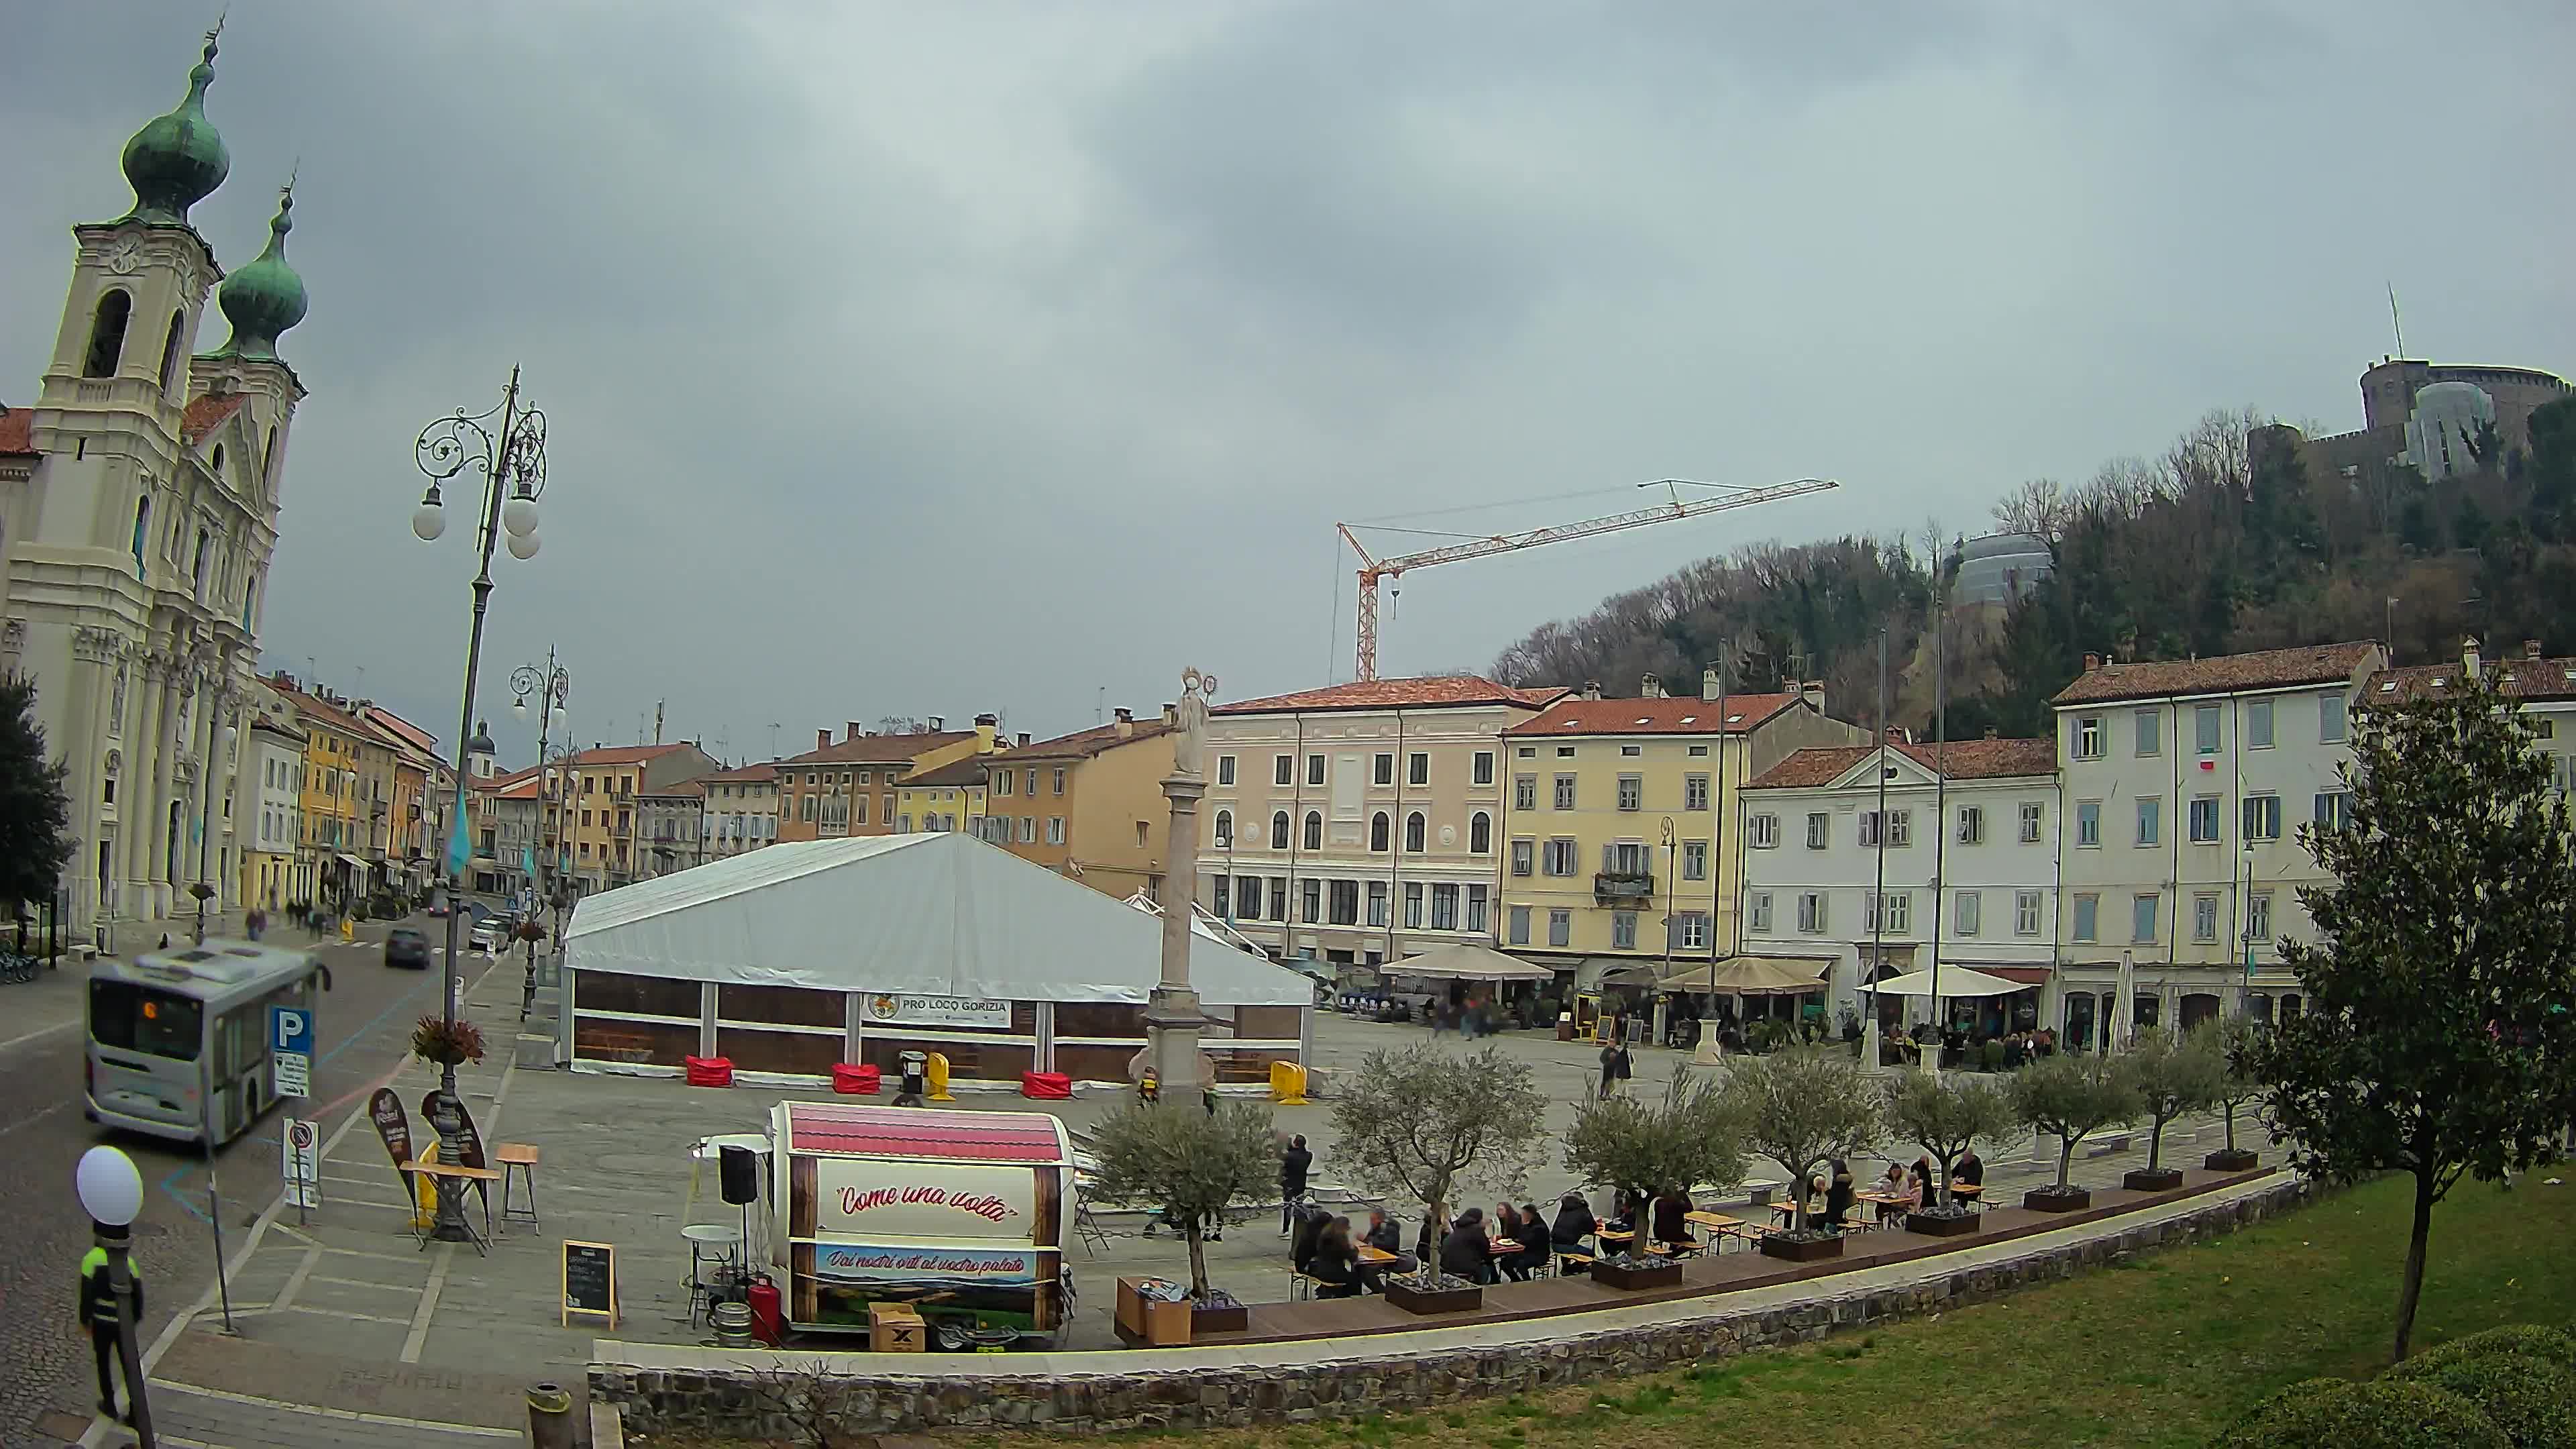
x,y
1430,1124
1687,1140
2235,1039
2072,1097
1193,1164
1803,1108
1945,1115
2172,1075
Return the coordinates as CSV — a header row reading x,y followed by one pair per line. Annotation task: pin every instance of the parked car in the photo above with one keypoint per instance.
x,y
489,935
407,947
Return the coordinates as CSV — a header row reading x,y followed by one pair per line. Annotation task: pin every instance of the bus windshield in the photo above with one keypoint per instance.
x,y
143,1019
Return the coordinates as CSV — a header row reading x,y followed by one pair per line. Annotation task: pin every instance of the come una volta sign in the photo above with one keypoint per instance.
x,y
923,1200
888,1009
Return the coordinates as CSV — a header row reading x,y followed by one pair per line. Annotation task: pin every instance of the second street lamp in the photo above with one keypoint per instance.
x,y
507,445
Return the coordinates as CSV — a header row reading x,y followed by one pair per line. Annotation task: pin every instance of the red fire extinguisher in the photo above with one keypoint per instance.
x,y
767,1324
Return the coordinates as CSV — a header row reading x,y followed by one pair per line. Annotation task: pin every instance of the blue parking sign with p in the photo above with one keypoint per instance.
x,y
290,1029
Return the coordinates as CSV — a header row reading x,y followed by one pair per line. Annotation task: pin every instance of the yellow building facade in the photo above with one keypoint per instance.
x,y
947,796
1615,815
1090,805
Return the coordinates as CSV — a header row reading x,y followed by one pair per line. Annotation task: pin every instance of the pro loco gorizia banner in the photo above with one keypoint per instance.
x,y
893,1010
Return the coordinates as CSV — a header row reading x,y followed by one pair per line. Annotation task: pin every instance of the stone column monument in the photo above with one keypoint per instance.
x,y
1172,1017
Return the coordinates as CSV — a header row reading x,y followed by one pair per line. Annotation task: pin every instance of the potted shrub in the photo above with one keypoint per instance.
x,y
1945,1116
2171,1075
2234,1039
442,1043
2072,1097
1803,1109
1642,1149
1193,1164
1430,1124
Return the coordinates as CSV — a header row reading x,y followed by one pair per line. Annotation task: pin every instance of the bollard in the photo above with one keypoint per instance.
x,y
550,1423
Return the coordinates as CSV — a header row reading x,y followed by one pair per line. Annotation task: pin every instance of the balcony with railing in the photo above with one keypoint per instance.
x,y
1622,885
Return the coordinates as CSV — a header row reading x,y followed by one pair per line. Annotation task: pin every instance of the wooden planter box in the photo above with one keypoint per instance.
x,y
1229,1318
1941,1227
2239,1160
1790,1251
2050,1200
1654,1275
1436,1300
2152,1179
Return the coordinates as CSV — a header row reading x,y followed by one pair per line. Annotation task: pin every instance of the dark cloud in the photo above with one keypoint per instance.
x,y
927,360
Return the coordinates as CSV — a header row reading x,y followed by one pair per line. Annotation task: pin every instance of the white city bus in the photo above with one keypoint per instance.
x,y
178,1040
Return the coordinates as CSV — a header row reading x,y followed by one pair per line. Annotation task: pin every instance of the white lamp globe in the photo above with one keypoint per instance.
x,y
519,514
523,545
111,1191
428,521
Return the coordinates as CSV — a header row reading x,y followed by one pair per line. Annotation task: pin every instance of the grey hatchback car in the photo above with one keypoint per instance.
x,y
407,947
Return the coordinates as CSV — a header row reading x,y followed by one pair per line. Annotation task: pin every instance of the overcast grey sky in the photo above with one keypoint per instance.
x,y
929,359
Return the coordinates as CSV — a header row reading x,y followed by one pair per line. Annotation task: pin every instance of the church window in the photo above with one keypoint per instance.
x,y
197,568
142,520
170,350
217,466
107,334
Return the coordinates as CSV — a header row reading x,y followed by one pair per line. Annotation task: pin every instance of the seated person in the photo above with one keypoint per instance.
x,y
1336,1264
1463,1253
1536,1241
1505,1244
1839,1194
1387,1236
1670,1227
1572,1233
1623,1214
1970,1171
1301,1247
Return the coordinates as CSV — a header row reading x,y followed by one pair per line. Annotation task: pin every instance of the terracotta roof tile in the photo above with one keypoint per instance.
x,y
17,433
685,787
2263,669
624,754
1577,716
207,413
968,771
1083,744
2519,677
764,772
1960,759
878,749
1429,691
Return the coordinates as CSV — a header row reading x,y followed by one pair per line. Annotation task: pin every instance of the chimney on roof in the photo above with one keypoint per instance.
x,y
1990,732
1650,687
822,739
938,723
988,729
2469,656
1125,722
2092,662
1592,689
1813,692
1709,687
2530,648
850,730
1022,739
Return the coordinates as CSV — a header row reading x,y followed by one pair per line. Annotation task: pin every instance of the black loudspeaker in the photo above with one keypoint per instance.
x,y
739,1170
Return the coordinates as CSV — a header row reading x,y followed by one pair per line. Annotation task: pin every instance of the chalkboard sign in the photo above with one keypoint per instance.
x,y
589,1281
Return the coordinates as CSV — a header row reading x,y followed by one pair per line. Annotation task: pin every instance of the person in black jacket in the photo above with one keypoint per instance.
x,y
1293,1166
1573,1229
1463,1253
1534,1236
1514,1265
1840,1194
1336,1264
1671,1228
1387,1236
98,1315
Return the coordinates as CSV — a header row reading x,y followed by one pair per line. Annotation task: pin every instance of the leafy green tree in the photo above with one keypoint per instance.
x,y
2073,1097
2469,526
1192,1163
2416,532
2551,469
1802,1108
35,819
1430,1123
1641,1148
2436,1040
2234,1040
2172,1075
1945,1114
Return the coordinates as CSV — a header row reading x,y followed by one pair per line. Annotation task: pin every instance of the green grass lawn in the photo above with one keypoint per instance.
x,y
2165,1351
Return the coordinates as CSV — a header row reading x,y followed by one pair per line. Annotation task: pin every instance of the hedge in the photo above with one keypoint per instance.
x,y
2382,1414
2529,1340
2523,1396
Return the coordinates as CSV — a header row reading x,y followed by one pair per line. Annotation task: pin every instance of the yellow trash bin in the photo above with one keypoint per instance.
x,y
1288,1084
935,1071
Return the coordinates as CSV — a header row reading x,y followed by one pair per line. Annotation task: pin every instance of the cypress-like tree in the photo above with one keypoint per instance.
x,y
35,819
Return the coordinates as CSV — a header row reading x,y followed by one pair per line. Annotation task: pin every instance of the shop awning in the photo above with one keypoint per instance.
x,y
2025,975
1750,976
1955,981
353,862
1467,961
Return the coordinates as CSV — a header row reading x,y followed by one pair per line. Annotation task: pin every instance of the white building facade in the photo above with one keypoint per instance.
x,y
741,811
2184,785
271,811
1962,868
138,513
1290,845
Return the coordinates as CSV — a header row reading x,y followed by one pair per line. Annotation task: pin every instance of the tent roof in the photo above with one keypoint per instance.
x,y
1467,961
1955,981
1750,976
929,914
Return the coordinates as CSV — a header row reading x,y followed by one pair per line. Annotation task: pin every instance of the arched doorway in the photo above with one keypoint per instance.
x,y
2197,1007
2079,1021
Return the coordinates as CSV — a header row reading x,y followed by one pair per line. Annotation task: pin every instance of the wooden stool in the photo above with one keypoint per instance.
x,y
521,1156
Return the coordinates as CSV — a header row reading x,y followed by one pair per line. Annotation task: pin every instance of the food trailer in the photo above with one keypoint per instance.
x,y
957,1215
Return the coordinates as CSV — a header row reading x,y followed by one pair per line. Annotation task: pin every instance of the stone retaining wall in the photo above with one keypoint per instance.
x,y
734,1395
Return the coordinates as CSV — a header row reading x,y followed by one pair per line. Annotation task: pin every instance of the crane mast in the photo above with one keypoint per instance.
x,y
1374,570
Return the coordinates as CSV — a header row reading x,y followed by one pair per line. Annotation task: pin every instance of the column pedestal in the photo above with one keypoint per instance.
x,y
1172,1014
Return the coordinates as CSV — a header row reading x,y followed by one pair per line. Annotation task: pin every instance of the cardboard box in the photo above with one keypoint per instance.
x,y
1145,1323
896,1328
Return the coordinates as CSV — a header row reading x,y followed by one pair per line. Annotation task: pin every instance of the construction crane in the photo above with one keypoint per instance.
x,y
1373,569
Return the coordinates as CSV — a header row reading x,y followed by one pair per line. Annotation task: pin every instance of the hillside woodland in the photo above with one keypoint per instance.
x,y
2222,543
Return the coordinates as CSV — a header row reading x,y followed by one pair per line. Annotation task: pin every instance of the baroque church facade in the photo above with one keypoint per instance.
x,y
139,500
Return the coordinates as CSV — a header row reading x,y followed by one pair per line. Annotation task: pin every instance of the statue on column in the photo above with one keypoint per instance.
x,y
1189,746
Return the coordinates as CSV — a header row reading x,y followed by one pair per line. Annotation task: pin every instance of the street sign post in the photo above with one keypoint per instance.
x,y
290,1042
301,1165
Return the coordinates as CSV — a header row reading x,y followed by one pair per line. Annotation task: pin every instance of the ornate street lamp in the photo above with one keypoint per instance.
x,y
507,445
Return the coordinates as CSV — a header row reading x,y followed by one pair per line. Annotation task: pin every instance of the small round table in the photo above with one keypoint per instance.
x,y
717,1243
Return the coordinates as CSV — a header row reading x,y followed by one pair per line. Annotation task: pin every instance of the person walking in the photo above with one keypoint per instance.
x,y
98,1315
1609,1067
1293,1166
